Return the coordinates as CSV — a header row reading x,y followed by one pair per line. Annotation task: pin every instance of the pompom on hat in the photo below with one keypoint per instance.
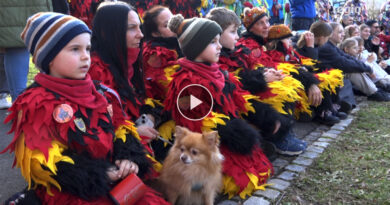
x,y
251,16
46,33
278,32
194,34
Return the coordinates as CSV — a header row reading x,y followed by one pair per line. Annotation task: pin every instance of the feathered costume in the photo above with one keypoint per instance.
x,y
84,10
187,8
130,108
248,62
64,142
158,59
246,168
302,68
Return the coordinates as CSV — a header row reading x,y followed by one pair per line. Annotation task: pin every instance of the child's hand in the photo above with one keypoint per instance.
x,y
372,75
315,95
371,58
146,131
375,40
126,167
309,38
271,75
112,174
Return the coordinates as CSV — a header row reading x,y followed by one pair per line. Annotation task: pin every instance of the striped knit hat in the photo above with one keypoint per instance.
x,y
194,34
46,33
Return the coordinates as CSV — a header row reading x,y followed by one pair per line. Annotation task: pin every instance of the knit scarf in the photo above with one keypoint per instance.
x,y
208,72
80,92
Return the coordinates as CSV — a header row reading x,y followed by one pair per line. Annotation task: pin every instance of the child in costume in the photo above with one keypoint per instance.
x,y
160,51
255,81
116,57
65,142
250,48
319,86
246,168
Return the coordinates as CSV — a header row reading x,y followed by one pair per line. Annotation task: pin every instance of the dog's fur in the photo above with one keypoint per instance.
x,y
192,171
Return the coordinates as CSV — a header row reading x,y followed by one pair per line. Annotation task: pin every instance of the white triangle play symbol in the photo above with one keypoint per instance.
x,y
194,102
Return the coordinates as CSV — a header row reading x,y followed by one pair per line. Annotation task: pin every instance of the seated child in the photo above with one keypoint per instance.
x,y
319,86
380,77
160,50
363,81
245,167
268,85
64,140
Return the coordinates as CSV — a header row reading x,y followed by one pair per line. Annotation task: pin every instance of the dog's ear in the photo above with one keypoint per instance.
x,y
211,138
180,132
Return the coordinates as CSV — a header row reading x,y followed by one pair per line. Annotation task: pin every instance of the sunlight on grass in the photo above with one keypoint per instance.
x,y
32,72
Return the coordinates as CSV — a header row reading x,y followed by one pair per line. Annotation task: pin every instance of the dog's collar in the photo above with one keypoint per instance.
x,y
197,187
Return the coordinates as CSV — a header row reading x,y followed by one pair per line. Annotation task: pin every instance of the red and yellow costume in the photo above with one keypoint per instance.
x,y
158,59
250,57
65,142
246,168
84,10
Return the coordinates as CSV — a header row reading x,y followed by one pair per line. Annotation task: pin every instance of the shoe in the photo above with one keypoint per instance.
x,y
380,96
345,107
327,119
341,115
293,137
288,146
4,104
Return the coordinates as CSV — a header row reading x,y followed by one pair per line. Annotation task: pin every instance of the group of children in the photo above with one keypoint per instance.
x,y
106,100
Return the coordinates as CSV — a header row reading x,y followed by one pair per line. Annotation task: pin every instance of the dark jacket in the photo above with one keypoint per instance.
x,y
308,52
332,57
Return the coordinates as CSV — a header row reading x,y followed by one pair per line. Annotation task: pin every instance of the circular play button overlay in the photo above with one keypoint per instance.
x,y
194,102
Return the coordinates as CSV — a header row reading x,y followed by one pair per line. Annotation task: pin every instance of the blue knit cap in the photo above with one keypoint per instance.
x,y
46,33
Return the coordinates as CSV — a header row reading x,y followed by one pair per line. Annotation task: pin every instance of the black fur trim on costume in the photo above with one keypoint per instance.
x,y
306,78
132,150
160,151
238,136
160,116
253,81
86,178
265,118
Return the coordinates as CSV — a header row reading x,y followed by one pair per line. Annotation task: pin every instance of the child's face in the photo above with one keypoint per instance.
x,y
338,34
211,53
73,60
361,48
261,27
134,33
365,34
352,50
229,37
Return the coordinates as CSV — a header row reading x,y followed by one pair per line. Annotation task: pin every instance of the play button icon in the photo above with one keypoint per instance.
x,y
194,102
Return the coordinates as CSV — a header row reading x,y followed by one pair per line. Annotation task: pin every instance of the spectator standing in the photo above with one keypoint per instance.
x,y
4,91
385,11
16,57
303,13
346,20
275,8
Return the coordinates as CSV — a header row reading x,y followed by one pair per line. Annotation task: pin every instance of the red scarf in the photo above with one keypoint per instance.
x,y
208,72
81,92
132,56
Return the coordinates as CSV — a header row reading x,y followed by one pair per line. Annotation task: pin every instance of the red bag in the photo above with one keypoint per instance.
x,y
129,190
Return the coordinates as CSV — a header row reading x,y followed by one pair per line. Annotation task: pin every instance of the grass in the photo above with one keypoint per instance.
x,y
355,169
32,72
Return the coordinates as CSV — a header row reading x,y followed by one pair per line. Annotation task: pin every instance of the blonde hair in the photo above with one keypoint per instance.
x,y
349,30
348,43
364,26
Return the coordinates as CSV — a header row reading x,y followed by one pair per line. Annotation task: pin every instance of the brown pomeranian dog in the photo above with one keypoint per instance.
x,y
192,171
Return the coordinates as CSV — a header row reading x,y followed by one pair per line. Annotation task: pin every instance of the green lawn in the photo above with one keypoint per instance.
x,y
32,72
355,169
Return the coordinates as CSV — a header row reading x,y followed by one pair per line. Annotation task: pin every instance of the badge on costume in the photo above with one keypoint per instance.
x,y
80,124
63,113
109,110
256,53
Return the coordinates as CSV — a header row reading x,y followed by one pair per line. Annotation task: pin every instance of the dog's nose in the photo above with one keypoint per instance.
x,y
184,158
